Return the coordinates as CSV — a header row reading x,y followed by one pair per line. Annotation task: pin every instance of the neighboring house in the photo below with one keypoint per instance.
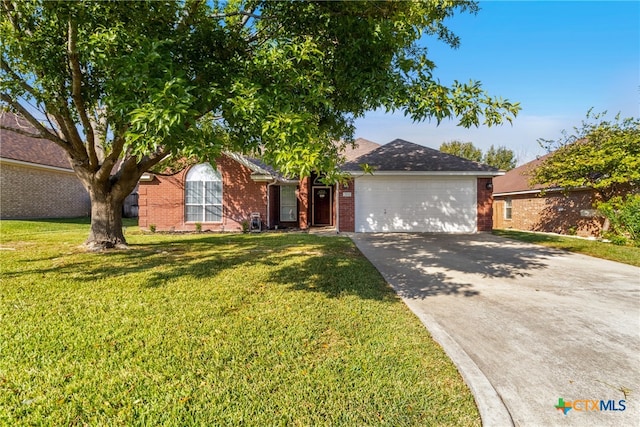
x,y
522,206
36,179
412,188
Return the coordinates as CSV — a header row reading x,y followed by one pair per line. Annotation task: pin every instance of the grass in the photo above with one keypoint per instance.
x,y
214,329
624,254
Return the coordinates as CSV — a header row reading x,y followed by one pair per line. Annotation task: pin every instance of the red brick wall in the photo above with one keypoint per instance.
x,y
161,201
346,207
303,203
35,192
554,213
485,205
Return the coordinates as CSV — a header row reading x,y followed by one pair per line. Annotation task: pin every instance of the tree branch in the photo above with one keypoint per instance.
x,y
68,127
22,132
44,132
76,93
16,77
150,161
246,15
110,161
10,11
188,15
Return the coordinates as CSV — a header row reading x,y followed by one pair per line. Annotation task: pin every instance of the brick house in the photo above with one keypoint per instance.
x,y
36,179
412,188
521,206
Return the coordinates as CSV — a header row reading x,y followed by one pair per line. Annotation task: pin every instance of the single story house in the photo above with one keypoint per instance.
x,y
521,206
412,189
36,178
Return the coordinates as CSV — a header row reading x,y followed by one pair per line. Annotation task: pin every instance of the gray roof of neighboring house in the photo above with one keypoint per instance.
x,y
24,148
404,156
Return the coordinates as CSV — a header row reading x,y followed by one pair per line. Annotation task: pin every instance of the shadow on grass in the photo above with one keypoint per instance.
x,y
329,265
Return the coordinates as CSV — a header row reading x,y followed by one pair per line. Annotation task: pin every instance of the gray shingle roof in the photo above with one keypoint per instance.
x,y
362,147
26,149
405,156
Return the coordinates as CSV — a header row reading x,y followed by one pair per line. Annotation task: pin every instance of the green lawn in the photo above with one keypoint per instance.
x,y
211,329
624,254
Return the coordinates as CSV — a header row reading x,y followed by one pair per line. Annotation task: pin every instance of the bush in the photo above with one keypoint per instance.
x,y
624,215
616,239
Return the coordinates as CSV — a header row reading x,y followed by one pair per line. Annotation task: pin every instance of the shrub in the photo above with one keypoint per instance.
x,y
152,228
198,227
624,215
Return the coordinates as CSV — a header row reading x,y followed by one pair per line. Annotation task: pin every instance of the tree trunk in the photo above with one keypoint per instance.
x,y
106,221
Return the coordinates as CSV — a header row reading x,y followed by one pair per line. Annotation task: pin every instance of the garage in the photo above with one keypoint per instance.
x,y
425,203
405,187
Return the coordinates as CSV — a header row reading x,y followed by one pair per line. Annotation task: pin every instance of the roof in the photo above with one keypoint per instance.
x,y
517,179
258,167
361,147
404,156
23,148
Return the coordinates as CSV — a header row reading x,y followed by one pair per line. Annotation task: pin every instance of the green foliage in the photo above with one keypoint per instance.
x,y
212,330
601,154
128,84
623,214
466,150
501,157
276,77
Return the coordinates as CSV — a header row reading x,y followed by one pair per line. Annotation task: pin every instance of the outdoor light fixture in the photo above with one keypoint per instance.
x,y
489,185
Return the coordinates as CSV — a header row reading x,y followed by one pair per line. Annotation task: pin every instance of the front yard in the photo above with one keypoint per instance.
x,y
624,254
203,329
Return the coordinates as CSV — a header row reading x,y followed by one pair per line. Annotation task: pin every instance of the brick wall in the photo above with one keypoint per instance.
x,y
34,192
554,213
303,203
161,201
346,207
485,204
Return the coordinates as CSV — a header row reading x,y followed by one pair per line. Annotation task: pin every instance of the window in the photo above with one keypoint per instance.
x,y
507,208
288,203
203,194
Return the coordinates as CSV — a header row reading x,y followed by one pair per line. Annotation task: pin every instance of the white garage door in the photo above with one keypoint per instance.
x,y
415,204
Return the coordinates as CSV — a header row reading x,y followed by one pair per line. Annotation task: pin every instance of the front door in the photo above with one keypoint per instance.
x,y
322,206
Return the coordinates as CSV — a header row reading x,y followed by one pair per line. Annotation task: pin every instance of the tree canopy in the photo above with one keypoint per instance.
x,y
501,157
601,154
466,150
123,86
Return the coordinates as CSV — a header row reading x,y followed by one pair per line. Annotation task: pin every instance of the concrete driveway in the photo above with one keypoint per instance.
x,y
526,325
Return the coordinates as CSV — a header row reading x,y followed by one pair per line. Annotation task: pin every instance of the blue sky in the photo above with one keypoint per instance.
x,y
558,59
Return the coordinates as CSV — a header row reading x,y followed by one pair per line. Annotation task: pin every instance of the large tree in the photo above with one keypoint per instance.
x,y
122,86
601,154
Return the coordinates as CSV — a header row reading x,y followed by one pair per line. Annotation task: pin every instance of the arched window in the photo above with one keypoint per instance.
x,y
203,194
